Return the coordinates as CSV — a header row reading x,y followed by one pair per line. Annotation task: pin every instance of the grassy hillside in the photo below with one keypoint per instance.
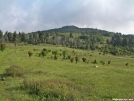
x,y
43,78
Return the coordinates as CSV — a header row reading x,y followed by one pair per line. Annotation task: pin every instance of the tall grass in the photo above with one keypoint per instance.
x,y
52,90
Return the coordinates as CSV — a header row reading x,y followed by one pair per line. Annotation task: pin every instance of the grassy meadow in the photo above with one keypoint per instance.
x,y
45,79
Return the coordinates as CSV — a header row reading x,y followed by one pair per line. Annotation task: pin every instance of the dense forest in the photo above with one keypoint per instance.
x,y
74,37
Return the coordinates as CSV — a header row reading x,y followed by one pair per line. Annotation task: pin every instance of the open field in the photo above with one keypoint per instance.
x,y
46,79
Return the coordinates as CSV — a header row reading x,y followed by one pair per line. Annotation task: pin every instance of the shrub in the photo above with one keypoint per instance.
x,y
69,57
30,53
55,57
14,71
95,62
72,60
64,54
127,64
76,59
55,52
109,62
2,47
43,53
84,60
44,49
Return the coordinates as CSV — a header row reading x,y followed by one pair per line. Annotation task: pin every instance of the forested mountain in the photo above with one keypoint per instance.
x,y
74,37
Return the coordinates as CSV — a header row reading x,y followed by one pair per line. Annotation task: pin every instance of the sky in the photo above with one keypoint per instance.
x,y
35,15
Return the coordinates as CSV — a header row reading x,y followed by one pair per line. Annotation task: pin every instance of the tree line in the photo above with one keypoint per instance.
x,y
74,37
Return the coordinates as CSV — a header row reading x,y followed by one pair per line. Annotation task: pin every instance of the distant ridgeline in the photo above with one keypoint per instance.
x,y
74,37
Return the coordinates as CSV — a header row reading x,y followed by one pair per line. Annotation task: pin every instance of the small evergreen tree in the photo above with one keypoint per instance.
x,y
76,59
30,54
109,62
84,60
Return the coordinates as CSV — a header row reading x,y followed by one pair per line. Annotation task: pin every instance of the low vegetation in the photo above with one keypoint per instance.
x,y
14,71
63,74
52,90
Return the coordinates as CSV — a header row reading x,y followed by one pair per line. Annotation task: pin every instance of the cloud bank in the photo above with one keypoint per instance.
x,y
34,15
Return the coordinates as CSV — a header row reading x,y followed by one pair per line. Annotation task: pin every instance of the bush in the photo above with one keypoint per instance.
x,y
84,60
2,47
30,54
72,60
95,62
69,57
127,64
14,71
55,57
109,62
102,62
76,59
43,53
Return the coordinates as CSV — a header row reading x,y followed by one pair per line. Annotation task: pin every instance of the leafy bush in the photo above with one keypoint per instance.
x,y
84,60
30,53
2,47
95,62
109,62
14,71
72,60
44,53
127,64
102,62
76,59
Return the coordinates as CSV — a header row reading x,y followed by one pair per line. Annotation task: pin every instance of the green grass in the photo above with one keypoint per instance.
x,y
61,80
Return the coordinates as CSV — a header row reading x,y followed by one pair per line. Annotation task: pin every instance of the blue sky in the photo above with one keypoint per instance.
x,y
34,15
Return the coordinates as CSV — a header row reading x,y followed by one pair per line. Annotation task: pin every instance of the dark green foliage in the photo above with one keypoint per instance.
x,y
95,62
55,52
39,55
103,62
109,62
127,64
69,57
84,38
76,59
55,57
14,71
30,53
43,53
44,49
84,60
64,54
2,47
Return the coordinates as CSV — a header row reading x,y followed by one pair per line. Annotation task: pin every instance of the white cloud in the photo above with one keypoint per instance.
x,y
33,15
